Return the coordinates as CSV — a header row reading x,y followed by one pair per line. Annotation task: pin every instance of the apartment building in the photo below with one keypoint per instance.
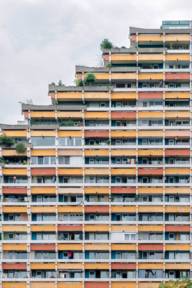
x,y
101,196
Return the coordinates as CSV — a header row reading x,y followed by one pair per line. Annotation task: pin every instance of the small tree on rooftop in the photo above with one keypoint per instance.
x,y
106,44
89,79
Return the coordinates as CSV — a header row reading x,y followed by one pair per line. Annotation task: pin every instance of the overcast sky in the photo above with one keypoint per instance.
x,y
41,41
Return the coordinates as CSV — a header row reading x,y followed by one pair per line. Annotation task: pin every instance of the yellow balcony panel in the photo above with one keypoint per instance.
x,y
96,190
149,115
177,209
150,152
96,95
150,190
123,95
177,57
179,266
14,247
43,190
123,209
150,76
147,209
14,284
43,266
43,152
123,57
11,152
150,133
48,133
123,228
15,171
177,171
68,152
69,190
179,247
68,209
70,266
15,133
42,114
123,171
72,171
70,284
43,228
150,228
177,114
94,266
123,152
96,115
70,115
96,152
123,134
150,38
177,190
97,247
148,284
68,95
123,284
101,76
177,37
97,227
15,209
70,246
43,209
121,76
14,228
42,284
150,57
177,95
150,265
123,247
69,133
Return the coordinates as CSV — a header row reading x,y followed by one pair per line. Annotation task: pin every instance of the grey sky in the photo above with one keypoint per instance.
x,y
42,40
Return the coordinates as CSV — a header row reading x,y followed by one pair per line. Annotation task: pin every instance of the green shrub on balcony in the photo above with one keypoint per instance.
x,y
106,44
177,284
89,79
79,83
20,148
6,141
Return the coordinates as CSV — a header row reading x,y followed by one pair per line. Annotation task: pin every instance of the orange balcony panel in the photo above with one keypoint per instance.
x,y
42,114
150,171
96,152
64,152
42,133
150,57
69,95
150,190
70,209
43,171
96,228
150,228
148,209
150,95
123,57
123,171
123,134
148,284
177,266
150,152
43,152
123,266
43,228
177,114
177,171
97,134
96,190
177,209
177,57
14,247
15,209
70,266
122,115
45,190
14,266
43,209
150,247
176,152
97,284
14,190
122,76
16,284
43,266
15,133
177,228
97,209
70,133
150,133
123,284
70,115
96,95
123,95
150,76
14,228
97,171
179,247
96,266
123,228
123,152
177,190
63,171
12,152
150,38
177,37
150,265
123,247
177,95
177,76
149,115
96,115
42,285
69,246
16,171
68,285
69,228
43,247
100,76
97,247
123,209
177,133
123,190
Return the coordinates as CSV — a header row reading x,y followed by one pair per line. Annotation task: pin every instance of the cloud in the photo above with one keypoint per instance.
x,y
41,41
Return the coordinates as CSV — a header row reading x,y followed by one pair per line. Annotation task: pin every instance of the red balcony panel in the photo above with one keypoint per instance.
x,y
97,284
97,134
43,171
70,228
150,247
148,171
43,247
177,228
14,266
125,190
177,152
150,95
123,115
97,209
177,76
15,190
123,266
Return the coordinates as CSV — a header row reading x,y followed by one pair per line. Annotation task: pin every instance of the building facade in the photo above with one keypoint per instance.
x,y
101,197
